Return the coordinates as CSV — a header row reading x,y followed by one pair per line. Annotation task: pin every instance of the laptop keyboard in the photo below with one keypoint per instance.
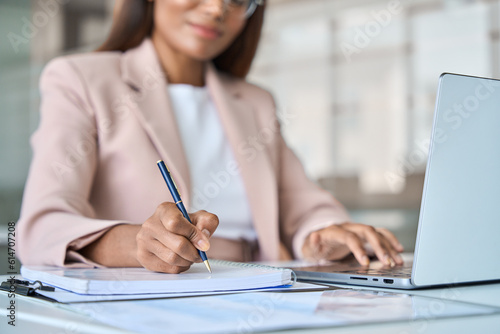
x,y
351,267
400,272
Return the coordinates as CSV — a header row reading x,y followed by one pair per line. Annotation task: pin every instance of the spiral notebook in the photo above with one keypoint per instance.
x,y
226,276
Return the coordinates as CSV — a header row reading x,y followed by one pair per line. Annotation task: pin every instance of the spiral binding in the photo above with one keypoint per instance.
x,y
254,265
24,287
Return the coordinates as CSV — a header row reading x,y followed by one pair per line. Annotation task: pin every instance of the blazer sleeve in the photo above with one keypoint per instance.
x,y
56,217
304,207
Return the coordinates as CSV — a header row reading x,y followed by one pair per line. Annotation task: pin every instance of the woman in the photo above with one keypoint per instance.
x,y
169,84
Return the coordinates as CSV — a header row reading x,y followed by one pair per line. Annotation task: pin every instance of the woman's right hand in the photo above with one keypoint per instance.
x,y
167,242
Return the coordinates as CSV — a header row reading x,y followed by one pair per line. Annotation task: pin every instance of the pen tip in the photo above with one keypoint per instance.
x,y
159,161
208,266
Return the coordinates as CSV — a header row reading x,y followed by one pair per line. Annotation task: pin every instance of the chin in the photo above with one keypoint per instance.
x,y
203,55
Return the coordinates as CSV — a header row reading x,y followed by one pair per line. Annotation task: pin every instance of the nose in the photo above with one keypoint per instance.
x,y
216,8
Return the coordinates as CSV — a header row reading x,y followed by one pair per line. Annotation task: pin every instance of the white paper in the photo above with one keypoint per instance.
x,y
64,296
263,311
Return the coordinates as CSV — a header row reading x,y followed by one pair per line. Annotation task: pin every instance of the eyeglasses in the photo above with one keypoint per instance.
x,y
242,8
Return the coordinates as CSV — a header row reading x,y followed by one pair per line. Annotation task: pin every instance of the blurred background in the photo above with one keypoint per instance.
x,y
355,81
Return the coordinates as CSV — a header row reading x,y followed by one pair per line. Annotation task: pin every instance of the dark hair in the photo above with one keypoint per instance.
x,y
134,22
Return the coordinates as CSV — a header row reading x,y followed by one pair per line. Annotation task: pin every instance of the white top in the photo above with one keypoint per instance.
x,y
216,184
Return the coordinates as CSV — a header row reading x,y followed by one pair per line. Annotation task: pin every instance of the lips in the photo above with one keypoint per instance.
x,y
206,31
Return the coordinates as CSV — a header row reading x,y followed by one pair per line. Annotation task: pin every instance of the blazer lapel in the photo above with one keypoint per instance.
x,y
240,125
150,103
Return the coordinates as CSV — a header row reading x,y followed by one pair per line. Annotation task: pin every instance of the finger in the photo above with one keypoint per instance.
x,y
181,226
167,255
374,239
394,255
205,221
355,245
179,245
154,263
381,246
392,239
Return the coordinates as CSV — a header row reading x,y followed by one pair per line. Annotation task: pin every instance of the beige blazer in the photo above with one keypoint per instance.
x,y
105,121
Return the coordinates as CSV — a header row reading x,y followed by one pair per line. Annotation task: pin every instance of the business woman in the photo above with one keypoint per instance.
x,y
169,83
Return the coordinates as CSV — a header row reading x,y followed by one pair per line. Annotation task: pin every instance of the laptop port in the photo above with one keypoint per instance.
x,y
360,278
388,281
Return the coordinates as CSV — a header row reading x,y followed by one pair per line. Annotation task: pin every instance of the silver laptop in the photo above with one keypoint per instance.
x,y
458,239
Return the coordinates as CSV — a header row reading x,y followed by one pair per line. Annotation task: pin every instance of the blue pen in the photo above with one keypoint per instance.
x,y
178,201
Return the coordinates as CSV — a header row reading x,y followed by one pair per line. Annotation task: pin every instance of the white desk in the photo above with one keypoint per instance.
x,y
35,316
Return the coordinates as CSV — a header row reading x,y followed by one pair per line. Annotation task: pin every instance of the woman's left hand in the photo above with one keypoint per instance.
x,y
337,241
